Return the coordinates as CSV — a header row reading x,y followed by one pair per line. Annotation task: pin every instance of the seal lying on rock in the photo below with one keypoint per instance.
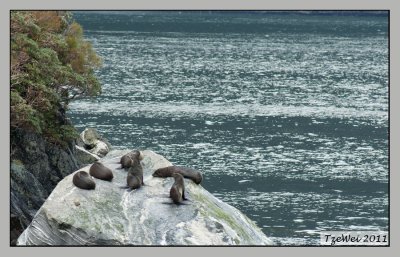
x,y
127,160
98,170
82,180
135,174
184,171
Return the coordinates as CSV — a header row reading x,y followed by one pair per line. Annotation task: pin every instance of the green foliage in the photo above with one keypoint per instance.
x,y
51,63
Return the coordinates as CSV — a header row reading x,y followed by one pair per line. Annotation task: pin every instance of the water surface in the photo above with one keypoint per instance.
x,y
286,115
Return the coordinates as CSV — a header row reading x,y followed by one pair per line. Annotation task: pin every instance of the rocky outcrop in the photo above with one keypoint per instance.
x,y
36,167
110,215
101,149
84,156
91,146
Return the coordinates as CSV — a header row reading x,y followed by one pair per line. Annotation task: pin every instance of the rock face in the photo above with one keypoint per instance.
x,y
36,168
110,215
27,195
84,156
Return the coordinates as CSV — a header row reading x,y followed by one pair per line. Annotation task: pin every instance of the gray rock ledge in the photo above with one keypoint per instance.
x,y
110,215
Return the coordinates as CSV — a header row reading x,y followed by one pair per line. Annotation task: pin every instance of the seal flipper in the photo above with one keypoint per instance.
x,y
120,168
126,187
183,195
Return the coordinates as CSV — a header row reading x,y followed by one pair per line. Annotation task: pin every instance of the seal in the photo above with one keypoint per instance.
x,y
137,153
82,180
135,174
133,181
186,172
177,191
126,160
98,170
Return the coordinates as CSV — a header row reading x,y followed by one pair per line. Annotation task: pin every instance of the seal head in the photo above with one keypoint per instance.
x,y
126,160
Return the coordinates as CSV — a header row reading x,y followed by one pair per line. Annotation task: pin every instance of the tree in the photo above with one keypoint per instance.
x,y
51,64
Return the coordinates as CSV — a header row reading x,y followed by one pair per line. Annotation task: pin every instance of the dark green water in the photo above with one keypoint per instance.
x,y
286,115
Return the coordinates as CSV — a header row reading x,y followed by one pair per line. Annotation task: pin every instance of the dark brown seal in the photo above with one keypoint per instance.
x,y
189,173
126,160
98,170
133,181
177,191
82,180
135,174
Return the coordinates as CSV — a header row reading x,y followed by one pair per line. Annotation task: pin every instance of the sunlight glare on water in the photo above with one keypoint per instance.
x,y
286,115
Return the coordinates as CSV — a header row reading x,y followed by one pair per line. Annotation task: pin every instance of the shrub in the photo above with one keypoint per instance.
x,y
51,64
